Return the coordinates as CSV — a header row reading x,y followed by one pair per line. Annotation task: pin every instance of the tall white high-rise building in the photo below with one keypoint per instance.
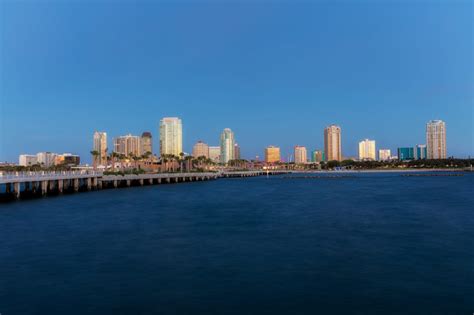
x,y
384,155
227,145
301,155
171,136
367,150
100,145
332,143
436,139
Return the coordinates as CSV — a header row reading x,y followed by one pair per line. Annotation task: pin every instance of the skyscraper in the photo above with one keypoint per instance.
x,y
201,149
367,150
227,145
436,139
100,145
171,136
301,155
147,142
272,154
420,151
332,143
128,145
236,151
384,155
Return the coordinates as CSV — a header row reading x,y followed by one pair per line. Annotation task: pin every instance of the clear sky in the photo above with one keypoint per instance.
x,y
274,72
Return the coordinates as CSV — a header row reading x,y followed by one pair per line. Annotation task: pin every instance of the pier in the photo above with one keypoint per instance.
x,y
30,184
116,181
24,185
234,174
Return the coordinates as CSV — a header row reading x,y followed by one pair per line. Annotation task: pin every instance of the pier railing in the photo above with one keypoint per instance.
x,y
10,177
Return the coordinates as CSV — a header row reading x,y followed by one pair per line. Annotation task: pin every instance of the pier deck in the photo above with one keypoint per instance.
x,y
35,184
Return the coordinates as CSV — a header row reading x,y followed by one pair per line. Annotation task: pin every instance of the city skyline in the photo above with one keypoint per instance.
x,y
170,131
249,67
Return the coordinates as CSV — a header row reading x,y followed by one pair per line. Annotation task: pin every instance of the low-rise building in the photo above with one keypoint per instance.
x,y
67,159
27,160
215,154
46,159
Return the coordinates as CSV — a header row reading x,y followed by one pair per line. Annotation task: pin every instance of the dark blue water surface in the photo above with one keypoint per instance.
x,y
372,244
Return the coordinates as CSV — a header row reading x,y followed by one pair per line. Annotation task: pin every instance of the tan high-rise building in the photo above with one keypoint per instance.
x,y
100,145
147,143
171,136
436,139
385,155
201,149
301,155
367,150
128,145
332,143
272,154
236,151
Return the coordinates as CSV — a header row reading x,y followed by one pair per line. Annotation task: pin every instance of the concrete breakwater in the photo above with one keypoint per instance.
x,y
38,184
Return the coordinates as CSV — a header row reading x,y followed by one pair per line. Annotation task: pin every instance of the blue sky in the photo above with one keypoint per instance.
x,y
274,72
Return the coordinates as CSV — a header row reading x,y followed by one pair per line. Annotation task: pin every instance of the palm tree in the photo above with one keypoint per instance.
x,y
95,154
166,159
114,156
181,159
135,160
174,160
122,158
189,162
147,154
111,158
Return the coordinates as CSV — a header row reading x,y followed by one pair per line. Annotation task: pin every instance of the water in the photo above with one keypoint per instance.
x,y
372,244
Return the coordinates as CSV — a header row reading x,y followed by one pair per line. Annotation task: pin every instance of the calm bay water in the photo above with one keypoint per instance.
x,y
372,244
